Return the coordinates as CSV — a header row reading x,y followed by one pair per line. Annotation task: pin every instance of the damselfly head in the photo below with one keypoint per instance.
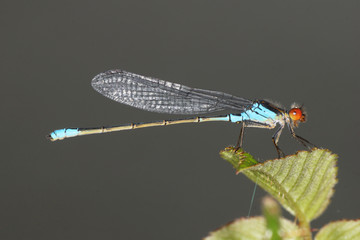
x,y
297,114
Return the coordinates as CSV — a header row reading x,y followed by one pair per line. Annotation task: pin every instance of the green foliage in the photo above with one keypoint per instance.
x,y
302,183
253,228
340,230
272,212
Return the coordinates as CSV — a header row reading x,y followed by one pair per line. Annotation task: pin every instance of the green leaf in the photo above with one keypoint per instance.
x,y
272,213
340,230
238,158
254,229
303,183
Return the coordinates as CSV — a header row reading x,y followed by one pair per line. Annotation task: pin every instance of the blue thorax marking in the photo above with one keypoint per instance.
x,y
257,113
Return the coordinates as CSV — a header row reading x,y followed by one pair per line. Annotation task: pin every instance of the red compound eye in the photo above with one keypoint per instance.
x,y
296,114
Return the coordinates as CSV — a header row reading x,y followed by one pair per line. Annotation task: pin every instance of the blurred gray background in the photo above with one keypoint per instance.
x,y
169,182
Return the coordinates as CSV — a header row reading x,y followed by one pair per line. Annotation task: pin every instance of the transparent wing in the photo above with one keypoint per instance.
x,y
156,95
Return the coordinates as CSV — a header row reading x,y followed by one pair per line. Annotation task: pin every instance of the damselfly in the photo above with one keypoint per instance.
x,y
160,96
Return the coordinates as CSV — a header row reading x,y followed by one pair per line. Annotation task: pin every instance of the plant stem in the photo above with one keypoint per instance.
x,y
305,229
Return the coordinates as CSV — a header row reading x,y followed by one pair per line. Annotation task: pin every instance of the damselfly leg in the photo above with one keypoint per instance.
x,y
275,140
301,140
241,137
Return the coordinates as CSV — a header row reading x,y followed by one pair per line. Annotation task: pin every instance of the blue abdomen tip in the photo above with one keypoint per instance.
x,y
60,134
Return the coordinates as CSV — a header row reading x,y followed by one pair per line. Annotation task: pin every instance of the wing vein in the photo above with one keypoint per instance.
x,y
157,95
